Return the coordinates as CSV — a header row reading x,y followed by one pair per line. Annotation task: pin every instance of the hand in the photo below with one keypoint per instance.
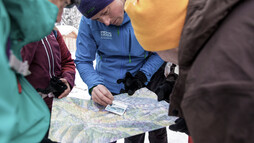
x,y
101,95
179,126
132,83
56,86
66,91
164,90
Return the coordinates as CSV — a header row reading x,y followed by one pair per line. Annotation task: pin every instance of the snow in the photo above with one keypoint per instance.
x,y
66,29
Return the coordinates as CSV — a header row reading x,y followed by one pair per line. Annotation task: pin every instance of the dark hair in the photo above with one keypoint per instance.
x,y
73,2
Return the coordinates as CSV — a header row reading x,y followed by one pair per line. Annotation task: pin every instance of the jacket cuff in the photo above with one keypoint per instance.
x,y
70,78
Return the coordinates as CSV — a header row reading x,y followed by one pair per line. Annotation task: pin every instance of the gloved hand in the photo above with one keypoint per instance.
x,y
56,86
179,126
132,83
166,87
163,91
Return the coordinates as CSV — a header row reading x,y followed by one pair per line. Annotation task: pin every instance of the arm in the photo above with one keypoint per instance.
x,y
67,64
85,55
152,64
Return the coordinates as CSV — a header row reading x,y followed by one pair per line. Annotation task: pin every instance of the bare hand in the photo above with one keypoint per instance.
x,y
102,95
67,91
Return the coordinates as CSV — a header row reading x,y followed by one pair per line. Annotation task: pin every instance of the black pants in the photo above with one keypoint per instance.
x,y
156,136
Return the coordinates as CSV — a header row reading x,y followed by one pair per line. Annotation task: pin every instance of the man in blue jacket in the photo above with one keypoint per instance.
x,y
106,34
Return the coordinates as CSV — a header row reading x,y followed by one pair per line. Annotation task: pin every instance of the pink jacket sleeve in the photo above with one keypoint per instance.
x,y
67,63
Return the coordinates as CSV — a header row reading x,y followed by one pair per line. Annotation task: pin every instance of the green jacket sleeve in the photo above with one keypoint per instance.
x,y
24,116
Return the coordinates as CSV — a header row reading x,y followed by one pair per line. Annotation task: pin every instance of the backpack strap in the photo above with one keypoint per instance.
x,y
55,33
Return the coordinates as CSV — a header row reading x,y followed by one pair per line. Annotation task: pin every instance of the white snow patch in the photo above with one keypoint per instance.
x,y
66,29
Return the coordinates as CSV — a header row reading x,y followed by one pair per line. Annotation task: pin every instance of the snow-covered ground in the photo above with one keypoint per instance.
x,y
80,90
173,137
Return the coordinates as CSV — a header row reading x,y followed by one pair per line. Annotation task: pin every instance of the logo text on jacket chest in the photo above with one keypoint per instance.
x,y
106,35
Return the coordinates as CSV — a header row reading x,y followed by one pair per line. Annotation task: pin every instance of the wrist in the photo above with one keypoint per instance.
x,y
91,90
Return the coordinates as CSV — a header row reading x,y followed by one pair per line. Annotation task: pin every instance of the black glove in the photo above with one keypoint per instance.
x,y
56,86
166,87
132,83
179,126
46,140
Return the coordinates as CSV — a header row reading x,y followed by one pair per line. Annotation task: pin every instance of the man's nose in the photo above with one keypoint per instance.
x,y
106,20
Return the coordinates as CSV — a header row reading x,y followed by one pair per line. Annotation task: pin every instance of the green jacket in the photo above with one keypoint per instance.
x,y
24,116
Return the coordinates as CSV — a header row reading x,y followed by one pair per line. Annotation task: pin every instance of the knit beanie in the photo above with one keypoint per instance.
x,y
157,23
89,8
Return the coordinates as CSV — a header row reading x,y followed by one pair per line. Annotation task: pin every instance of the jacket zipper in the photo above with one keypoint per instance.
x,y
49,61
129,46
53,71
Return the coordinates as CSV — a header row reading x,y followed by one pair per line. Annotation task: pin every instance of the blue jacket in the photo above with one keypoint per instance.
x,y
116,50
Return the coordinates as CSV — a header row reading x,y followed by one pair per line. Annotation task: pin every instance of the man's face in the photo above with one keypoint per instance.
x,y
61,4
113,14
169,55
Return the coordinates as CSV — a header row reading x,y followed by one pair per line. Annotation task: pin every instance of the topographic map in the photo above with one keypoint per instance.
x,y
83,121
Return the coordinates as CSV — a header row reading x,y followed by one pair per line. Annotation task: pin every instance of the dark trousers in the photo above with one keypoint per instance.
x,y
156,136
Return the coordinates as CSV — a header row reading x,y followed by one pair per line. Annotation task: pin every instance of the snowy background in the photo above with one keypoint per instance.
x,y
72,17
